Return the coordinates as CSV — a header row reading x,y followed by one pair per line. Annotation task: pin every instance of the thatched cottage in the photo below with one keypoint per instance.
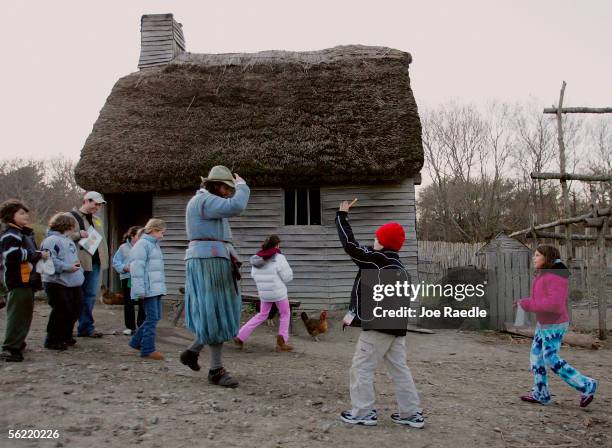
x,y
305,129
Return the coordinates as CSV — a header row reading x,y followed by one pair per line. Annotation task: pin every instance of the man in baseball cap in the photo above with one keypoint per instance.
x,y
95,197
92,264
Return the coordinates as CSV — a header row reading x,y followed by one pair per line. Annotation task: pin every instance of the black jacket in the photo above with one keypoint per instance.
x,y
365,257
19,258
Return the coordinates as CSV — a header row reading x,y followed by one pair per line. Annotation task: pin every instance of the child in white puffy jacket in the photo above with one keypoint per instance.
x,y
271,272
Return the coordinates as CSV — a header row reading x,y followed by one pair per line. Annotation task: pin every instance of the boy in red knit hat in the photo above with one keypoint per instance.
x,y
374,346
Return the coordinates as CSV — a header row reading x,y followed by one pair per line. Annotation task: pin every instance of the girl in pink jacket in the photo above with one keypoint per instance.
x,y
549,303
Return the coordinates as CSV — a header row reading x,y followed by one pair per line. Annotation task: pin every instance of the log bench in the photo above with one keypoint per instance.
x,y
294,305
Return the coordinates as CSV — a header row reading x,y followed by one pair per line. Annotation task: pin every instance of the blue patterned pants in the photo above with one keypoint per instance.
x,y
544,355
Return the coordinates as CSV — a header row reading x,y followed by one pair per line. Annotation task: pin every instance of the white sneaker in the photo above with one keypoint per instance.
x,y
370,419
127,332
416,421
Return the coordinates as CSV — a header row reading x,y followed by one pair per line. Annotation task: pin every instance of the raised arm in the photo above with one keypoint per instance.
x,y
215,207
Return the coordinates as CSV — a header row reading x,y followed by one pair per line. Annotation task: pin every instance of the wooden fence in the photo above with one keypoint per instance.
x,y
436,257
509,274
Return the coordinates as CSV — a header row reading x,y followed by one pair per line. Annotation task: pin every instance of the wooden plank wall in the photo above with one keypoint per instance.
x,y
375,206
508,279
171,208
323,275
161,39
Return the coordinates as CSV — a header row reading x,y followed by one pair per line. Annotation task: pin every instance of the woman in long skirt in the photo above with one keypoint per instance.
x,y
212,297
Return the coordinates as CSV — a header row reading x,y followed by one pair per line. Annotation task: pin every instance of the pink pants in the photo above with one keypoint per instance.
x,y
259,318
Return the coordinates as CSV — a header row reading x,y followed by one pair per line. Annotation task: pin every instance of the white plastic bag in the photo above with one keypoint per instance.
x,y
519,320
45,267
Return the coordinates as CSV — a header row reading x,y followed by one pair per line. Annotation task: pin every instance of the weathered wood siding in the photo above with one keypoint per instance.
x,y
323,275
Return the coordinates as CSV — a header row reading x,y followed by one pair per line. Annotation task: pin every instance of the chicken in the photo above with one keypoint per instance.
x,y
315,327
111,298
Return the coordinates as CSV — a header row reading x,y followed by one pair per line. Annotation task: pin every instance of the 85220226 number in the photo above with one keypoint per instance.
x,y
33,434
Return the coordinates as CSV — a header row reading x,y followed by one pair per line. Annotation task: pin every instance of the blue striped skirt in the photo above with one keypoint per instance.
x,y
212,302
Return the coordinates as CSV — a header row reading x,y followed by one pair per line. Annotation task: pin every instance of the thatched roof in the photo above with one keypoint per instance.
x,y
342,115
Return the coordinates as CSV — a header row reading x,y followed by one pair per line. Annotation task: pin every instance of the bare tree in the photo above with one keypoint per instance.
x,y
534,151
47,186
466,157
599,138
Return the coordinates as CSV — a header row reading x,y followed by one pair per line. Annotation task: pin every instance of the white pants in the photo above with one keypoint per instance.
x,y
373,347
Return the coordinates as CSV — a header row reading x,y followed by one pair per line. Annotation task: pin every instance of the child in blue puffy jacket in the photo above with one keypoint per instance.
x,y
63,287
121,264
148,285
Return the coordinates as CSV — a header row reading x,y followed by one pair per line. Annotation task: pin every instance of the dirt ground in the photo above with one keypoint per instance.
x,y
101,393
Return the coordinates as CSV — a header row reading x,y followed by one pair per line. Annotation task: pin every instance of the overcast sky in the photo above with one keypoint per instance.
x,y
61,58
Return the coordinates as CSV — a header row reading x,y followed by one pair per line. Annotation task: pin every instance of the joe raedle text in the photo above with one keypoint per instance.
x,y
386,297
422,312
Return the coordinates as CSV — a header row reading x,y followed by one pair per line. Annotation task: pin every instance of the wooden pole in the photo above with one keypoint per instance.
x,y
585,284
601,263
592,265
533,214
602,302
564,188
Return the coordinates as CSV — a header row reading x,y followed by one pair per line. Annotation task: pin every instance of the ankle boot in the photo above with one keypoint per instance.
x,y
190,359
281,345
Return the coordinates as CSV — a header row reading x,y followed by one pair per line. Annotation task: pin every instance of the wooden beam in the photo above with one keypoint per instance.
x,y
570,338
582,218
594,222
579,110
571,176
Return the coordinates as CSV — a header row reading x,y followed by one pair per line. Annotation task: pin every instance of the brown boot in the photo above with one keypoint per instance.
x,y
281,345
157,356
239,343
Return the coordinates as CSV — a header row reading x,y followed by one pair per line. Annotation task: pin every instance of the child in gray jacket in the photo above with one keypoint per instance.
x,y
64,286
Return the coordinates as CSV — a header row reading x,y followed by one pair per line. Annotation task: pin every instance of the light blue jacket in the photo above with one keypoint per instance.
x,y
206,217
121,259
64,254
147,268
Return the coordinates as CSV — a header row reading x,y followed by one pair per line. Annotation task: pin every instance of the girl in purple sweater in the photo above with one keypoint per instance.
x,y
549,303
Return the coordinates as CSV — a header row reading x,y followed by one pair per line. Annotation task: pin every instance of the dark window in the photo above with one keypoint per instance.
x,y
302,206
289,207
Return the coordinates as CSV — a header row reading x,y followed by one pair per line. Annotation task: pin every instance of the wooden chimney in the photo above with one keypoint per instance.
x,y
161,39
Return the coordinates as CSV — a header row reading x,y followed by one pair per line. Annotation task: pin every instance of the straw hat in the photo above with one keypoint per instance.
x,y
220,173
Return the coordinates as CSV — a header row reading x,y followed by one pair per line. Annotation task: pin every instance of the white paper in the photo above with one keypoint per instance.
x,y
93,240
